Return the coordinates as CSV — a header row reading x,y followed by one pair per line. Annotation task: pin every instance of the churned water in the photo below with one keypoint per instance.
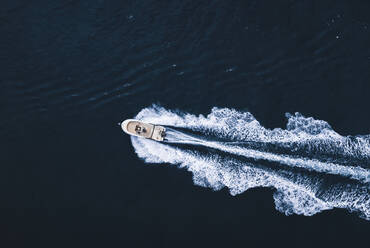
x,y
303,158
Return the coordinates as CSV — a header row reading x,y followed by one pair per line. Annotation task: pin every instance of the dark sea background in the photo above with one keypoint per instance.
x,y
72,70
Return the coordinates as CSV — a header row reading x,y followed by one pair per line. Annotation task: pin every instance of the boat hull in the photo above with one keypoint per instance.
x,y
143,130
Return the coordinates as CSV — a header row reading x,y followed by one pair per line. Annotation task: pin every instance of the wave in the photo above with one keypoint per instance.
x,y
311,167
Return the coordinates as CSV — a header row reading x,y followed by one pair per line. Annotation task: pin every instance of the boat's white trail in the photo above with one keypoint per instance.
x,y
309,164
303,182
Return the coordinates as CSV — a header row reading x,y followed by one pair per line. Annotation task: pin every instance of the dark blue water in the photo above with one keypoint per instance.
x,y
72,70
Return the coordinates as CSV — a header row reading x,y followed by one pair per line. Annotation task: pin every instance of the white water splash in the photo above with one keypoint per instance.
x,y
301,183
309,164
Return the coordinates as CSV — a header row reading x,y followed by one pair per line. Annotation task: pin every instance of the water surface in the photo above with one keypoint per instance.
x,y
72,70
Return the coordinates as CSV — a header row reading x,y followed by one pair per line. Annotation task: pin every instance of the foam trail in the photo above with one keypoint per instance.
x,y
312,167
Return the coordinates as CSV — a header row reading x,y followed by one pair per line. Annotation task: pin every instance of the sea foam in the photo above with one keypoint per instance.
x,y
311,167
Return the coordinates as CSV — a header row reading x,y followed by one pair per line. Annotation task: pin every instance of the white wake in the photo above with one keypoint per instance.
x,y
312,167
